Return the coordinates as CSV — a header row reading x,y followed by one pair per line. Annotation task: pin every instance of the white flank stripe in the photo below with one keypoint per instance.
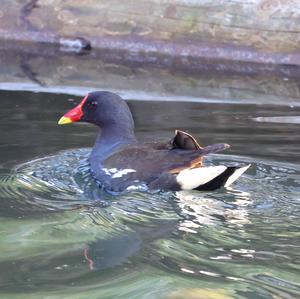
x,y
190,179
122,172
236,175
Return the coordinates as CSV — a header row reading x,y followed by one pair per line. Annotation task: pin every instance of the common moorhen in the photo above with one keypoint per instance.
x,y
119,162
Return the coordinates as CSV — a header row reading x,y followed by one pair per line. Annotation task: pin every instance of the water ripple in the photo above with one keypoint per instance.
x,y
245,235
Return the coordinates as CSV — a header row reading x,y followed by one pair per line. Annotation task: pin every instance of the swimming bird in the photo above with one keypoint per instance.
x,y
119,162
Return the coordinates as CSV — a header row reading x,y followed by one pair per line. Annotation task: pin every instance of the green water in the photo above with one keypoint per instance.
x,y
62,237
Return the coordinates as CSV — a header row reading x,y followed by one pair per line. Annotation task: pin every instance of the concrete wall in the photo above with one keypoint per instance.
x,y
36,67
262,31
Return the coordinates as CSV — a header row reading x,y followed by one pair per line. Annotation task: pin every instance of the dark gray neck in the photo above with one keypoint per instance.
x,y
109,140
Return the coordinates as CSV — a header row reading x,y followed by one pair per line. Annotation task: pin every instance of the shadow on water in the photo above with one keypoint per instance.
x,y
62,236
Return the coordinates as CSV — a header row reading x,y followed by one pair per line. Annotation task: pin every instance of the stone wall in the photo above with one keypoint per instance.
x,y
262,31
40,68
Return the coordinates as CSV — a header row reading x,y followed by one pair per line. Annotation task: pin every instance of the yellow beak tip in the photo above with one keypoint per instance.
x,y
64,120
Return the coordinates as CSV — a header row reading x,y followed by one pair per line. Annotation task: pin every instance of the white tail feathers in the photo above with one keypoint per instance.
x,y
237,173
189,179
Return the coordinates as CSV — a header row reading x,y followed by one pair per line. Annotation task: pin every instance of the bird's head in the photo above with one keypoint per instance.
x,y
101,108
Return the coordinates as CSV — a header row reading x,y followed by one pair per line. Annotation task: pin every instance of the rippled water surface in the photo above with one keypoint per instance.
x,y
62,237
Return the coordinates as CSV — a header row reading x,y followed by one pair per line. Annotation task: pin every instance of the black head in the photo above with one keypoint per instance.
x,y
101,108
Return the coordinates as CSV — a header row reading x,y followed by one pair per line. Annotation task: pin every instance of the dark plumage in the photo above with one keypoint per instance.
x,y
119,162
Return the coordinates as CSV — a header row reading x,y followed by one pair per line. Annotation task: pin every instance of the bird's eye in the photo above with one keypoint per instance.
x,y
92,104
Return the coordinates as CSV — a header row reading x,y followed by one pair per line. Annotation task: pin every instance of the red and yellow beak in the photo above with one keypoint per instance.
x,y
73,115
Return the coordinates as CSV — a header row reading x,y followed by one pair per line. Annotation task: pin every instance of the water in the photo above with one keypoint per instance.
x,y
62,237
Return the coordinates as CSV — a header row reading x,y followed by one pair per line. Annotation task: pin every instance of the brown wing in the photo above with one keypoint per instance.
x,y
181,140
190,156
185,141
149,162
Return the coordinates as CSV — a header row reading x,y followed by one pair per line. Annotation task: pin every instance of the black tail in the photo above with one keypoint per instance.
x,y
225,179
